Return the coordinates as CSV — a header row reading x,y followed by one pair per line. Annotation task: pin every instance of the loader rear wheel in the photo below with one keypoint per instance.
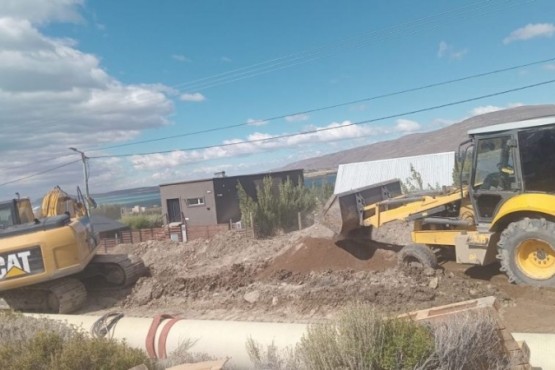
x,y
527,252
417,255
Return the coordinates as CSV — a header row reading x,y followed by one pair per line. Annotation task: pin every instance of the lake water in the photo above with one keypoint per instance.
x,y
150,198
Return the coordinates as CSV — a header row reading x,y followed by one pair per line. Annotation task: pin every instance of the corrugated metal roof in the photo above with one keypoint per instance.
x,y
434,168
514,125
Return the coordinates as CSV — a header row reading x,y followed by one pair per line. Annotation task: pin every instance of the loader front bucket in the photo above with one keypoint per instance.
x,y
344,212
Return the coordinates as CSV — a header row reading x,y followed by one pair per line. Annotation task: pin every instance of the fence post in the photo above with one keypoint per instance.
x,y
299,220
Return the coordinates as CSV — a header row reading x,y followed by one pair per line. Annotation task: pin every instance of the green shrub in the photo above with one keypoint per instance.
x,y
142,221
276,206
363,339
27,343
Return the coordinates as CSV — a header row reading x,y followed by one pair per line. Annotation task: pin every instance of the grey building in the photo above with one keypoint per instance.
x,y
213,201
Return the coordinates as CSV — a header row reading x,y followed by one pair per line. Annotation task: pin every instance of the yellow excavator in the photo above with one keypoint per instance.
x,y
46,259
503,211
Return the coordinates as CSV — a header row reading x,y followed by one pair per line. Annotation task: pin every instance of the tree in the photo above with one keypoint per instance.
x,y
276,207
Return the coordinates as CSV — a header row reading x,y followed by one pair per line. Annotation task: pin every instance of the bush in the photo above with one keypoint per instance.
x,y
469,341
276,206
142,221
42,344
363,339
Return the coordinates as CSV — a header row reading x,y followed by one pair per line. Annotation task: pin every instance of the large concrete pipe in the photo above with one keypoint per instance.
x,y
219,339
541,349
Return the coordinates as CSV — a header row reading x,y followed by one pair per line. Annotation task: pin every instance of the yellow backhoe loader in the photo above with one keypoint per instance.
x,y
504,211
45,259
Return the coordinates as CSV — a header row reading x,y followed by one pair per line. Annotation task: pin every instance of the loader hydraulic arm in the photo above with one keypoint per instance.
x,y
409,207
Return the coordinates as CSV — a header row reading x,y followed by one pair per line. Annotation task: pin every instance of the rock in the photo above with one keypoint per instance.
x,y
275,301
473,292
434,282
450,275
428,271
252,297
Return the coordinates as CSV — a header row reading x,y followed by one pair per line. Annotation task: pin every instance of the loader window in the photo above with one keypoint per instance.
x,y
494,165
537,157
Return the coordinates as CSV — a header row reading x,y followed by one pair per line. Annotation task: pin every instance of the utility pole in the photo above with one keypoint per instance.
x,y
84,158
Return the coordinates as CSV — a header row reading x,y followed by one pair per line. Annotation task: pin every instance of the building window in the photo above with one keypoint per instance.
x,y
195,202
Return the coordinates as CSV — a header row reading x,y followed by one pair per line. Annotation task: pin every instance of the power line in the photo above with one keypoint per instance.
x,y
351,42
338,105
397,115
311,54
39,173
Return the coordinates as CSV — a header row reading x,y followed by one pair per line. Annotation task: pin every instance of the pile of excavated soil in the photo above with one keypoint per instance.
x,y
299,276
320,254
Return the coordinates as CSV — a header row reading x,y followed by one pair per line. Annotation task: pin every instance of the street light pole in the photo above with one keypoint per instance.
x,y
84,158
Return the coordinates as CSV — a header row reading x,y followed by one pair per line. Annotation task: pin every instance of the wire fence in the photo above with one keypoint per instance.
x,y
184,233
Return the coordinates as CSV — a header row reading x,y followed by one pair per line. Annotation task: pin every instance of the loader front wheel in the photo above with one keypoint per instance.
x,y
527,252
417,255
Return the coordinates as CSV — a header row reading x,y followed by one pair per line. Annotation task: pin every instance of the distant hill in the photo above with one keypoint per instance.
x,y
136,191
442,140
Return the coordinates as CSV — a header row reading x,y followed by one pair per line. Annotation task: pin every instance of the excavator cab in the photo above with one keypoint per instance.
x,y
14,212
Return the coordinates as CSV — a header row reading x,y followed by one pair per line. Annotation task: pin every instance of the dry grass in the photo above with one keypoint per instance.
x,y
363,339
469,341
27,343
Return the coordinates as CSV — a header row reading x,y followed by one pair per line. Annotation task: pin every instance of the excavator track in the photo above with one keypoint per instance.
x,y
62,296
113,271
68,294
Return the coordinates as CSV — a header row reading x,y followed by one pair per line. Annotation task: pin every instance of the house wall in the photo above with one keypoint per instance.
x,y
204,214
220,194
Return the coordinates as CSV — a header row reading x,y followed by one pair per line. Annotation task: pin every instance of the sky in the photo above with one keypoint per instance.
x,y
155,92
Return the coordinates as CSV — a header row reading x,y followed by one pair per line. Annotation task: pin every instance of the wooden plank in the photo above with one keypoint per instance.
x,y
519,352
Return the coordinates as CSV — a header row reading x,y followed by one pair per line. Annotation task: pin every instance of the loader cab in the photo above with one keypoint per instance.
x,y
510,159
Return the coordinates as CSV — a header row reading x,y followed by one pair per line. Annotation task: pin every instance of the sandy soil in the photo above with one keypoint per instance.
x,y
307,276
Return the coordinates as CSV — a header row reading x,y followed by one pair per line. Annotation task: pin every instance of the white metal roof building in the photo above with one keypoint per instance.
x,y
434,169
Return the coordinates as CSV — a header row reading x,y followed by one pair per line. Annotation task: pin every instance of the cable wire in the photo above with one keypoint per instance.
x,y
39,173
338,105
397,115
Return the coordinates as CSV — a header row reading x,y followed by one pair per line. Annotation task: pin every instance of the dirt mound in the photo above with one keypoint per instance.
x,y
319,254
296,276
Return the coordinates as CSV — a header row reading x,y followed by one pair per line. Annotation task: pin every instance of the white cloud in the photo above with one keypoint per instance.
x,y
54,96
549,66
530,31
181,58
42,11
406,126
256,122
226,60
193,97
448,51
297,118
256,143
